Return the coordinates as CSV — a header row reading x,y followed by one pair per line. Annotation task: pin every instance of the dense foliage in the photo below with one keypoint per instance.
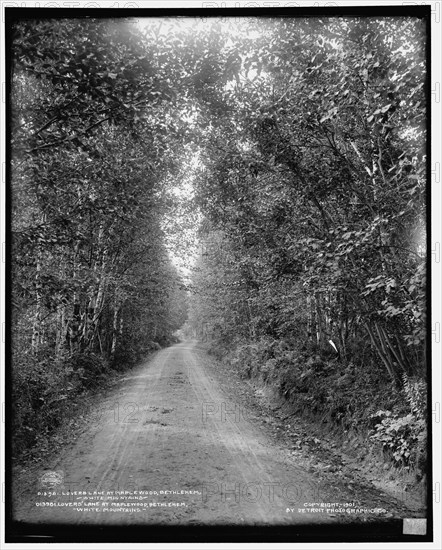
x,y
93,285
313,191
303,141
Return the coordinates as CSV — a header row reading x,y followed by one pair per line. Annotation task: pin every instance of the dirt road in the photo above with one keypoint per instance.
x,y
170,446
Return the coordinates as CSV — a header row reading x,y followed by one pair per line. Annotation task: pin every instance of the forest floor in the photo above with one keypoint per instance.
x,y
180,440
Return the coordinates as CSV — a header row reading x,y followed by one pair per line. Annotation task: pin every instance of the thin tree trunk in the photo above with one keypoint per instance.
x,y
392,349
380,353
99,300
61,331
309,317
74,322
36,325
116,330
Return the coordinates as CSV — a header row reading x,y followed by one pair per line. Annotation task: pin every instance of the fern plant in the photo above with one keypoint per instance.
x,y
403,437
415,391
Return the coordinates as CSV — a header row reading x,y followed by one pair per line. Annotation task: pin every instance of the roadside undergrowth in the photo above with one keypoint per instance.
x,y
377,424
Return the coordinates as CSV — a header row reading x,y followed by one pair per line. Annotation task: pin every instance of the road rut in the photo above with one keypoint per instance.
x,y
168,446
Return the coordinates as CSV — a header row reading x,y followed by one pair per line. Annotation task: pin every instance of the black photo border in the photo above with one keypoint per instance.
x,y
387,531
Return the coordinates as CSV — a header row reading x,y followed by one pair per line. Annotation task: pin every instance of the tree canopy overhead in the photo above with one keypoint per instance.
x,y
295,148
